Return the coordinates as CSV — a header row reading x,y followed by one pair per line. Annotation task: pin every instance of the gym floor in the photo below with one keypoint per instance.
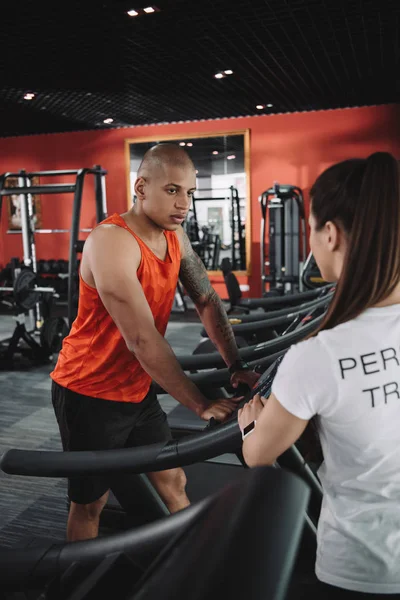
x,y
32,508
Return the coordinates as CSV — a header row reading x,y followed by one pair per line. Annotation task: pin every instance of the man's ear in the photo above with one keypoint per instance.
x,y
140,185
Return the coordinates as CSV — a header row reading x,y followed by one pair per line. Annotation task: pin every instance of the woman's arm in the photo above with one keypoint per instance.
x,y
275,431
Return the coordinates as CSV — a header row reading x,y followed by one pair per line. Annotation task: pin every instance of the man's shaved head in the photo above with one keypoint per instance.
x,y
162,155
164,186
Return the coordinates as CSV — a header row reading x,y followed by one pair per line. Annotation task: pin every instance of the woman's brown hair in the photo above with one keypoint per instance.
x,y
362,197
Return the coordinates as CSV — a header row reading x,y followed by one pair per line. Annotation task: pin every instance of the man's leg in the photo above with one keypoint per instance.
x,y
83,519
152,427
87,423
170,485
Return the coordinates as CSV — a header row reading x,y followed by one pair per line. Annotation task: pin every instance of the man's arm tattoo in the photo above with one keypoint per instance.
x,y
193,275
194,278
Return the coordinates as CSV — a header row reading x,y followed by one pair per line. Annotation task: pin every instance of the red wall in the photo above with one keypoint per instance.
x,y
289,148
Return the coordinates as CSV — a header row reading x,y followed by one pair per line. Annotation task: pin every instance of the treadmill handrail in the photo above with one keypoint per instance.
x,y
269,323
211,442
221,377
33,567
262,315
198,362
280,301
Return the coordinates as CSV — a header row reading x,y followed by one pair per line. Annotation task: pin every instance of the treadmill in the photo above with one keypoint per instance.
x,y
257,330
241,542
210,454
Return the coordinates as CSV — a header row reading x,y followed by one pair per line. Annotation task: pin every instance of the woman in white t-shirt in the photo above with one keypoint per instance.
x,y
347,377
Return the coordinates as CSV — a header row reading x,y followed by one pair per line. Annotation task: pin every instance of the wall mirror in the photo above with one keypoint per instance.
x,y
219,220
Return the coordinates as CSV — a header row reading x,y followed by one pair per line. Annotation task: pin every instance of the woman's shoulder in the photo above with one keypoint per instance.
x,y
305,358
308,347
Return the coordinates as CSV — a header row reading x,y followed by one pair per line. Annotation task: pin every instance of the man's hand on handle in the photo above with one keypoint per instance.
x,y
246,377
220,409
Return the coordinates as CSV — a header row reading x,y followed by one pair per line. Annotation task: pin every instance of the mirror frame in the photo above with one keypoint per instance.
x,y
181,136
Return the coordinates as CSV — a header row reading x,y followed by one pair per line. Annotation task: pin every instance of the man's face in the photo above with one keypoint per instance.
x,y
167,194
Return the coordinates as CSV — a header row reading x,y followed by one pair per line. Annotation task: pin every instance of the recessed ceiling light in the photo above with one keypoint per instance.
x,y
219,75
189,144
231,157
260,106
108,121
29,96
142,11
182,143
228,72
215,152
269,105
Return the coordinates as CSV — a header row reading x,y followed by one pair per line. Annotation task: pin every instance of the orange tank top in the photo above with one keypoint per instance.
x,y
94,359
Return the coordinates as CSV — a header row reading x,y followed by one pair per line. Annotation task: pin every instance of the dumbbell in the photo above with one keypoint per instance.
x,y
53,265
62,266
43,266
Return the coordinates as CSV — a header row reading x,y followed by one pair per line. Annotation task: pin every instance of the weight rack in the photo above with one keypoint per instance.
x,y
25,190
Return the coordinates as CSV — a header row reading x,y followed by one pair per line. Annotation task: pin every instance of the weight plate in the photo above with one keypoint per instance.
x,y
52,333
24,293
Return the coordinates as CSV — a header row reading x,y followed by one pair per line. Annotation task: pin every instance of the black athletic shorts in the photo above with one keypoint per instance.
x,y
87,423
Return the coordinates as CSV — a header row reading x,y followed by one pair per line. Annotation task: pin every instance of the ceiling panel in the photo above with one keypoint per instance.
x,y
87,61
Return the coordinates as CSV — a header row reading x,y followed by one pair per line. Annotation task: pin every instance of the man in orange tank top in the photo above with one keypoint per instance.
x,y
101,391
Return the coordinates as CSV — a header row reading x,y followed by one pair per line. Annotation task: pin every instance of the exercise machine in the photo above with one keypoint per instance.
x,y
283,239
311,275
239,305
238,249
251,354
203,448
272,325
26,302
243,540
26,189
232,287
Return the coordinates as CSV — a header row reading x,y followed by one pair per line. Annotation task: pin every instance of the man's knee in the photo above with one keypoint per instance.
x,y
179,479
89,512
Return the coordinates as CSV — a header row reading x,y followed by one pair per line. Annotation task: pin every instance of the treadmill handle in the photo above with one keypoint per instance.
x,y
241,390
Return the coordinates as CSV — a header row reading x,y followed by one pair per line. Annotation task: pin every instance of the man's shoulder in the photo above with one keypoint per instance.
x,y
112,237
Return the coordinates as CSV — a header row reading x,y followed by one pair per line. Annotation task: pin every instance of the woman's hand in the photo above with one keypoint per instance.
x,y
251,411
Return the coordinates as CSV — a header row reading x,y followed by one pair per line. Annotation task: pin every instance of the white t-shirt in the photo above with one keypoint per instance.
x,y
350,377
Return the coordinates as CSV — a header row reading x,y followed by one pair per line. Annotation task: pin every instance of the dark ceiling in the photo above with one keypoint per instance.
x,y
87,61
